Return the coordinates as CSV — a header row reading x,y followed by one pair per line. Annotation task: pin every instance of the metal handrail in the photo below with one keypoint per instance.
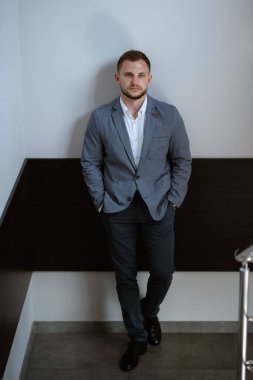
x,y
244,256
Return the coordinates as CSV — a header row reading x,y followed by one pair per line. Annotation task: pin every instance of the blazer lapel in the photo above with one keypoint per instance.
x,y
151,115
118,120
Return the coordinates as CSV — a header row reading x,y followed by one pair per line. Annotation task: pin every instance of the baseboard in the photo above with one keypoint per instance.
x,y
27,353
118,327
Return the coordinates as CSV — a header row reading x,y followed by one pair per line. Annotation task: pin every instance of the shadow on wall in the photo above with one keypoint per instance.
x,y
105,39
104,89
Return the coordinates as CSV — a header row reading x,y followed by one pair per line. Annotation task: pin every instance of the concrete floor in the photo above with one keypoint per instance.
x,y
95,356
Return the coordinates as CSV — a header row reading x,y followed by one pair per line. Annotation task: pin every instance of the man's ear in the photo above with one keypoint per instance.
x,y
116,76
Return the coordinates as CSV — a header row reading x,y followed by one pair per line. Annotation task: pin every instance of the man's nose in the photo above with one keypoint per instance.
x,y
135,79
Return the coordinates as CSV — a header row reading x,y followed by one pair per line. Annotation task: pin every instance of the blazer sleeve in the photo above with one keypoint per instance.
x,y
92,161
180,159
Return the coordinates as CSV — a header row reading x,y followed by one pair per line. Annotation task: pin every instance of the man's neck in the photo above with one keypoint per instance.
x,y
133,104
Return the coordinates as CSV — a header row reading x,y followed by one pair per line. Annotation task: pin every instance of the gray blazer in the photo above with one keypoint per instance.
x,y
108,164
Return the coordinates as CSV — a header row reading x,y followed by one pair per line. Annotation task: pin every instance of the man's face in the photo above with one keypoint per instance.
x,y
133,79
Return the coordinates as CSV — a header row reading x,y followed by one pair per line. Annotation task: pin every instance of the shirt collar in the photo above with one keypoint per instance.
x,y
141,111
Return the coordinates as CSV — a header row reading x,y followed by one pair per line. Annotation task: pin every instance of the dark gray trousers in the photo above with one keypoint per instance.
x,y
122,229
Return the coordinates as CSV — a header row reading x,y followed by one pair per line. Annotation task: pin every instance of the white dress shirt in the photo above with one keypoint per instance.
x,y
135,128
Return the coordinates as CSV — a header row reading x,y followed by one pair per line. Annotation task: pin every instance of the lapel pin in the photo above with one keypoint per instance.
x,y
155,114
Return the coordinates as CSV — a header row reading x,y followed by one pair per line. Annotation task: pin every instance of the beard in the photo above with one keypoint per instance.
x,y
133,97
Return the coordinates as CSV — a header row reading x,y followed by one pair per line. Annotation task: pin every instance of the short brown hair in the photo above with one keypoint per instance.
x,y
133,55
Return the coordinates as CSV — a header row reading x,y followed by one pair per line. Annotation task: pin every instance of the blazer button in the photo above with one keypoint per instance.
x,y
129,199
137,177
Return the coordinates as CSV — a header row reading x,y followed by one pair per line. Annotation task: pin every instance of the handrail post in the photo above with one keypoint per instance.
x,y
243,321
244,256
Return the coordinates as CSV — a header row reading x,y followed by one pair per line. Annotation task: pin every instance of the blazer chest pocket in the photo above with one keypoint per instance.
x,y
158,148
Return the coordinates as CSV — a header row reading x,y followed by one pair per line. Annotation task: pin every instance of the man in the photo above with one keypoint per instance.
x,y
136,164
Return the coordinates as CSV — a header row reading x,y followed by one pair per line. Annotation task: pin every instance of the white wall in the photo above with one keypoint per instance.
x,y
11,111
91,296
202,56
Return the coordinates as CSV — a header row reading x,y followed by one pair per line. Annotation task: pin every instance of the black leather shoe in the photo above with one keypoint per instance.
x,y
130,359
153,328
